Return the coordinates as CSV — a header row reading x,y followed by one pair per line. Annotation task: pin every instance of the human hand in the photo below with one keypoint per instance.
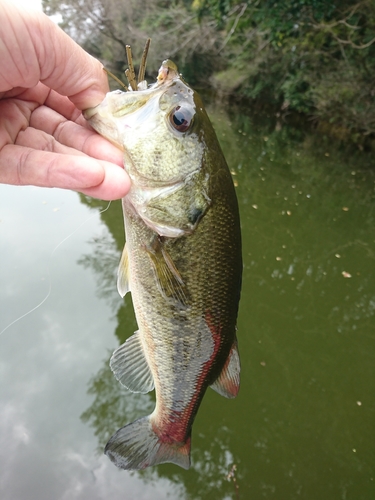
x,y
46,79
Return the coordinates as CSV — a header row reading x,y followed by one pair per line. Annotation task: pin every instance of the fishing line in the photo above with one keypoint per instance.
x,y
49,269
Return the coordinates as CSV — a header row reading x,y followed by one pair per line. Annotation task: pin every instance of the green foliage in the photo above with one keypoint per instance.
x,y
105,27
315,57
311,56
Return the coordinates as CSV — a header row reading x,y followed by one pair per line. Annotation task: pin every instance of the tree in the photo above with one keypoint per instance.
x,y
105,27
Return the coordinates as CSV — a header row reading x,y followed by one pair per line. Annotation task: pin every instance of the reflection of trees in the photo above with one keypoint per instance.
x,y
114,406
108,245
305,331
104,261
112,217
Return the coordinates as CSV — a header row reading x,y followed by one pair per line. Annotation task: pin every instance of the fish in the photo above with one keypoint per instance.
x,y
181,262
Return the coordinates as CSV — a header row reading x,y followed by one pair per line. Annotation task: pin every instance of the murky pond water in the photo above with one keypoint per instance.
x,y
303,425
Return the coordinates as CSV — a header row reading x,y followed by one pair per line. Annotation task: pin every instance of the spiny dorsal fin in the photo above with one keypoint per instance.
x,y
228,382
130,366
123,285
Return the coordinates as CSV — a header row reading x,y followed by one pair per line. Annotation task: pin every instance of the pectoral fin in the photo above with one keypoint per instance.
x,y
228,382
169,280
130,366
123,285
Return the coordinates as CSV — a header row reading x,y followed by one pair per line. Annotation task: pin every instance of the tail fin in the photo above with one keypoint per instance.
x,y
137,446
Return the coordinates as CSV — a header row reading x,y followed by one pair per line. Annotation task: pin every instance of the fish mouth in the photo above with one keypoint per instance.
x,y
138,92
119,107
128,118
121,111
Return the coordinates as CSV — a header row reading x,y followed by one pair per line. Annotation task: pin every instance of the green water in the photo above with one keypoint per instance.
x,y
303,425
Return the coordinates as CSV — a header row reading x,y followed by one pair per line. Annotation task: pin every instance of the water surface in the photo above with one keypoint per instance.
x,y
303,425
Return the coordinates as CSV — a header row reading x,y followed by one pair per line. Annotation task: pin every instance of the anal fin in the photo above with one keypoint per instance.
x,y
130,367
228,382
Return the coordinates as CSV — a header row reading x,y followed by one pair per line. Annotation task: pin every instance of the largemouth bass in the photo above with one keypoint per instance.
x,y
181,262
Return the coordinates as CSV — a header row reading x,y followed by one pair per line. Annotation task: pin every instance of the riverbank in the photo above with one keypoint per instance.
x,y
311,58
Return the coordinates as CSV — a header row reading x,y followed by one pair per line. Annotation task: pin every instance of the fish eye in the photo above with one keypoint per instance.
x,y
181,118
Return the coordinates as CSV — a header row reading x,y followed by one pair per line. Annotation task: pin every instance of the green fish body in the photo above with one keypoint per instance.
x,y
182,263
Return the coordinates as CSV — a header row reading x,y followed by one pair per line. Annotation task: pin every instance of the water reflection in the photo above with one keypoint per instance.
x,y
303,422
104,262
113,406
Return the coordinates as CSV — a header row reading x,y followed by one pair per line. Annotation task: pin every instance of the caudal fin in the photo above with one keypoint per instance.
x,y
137,446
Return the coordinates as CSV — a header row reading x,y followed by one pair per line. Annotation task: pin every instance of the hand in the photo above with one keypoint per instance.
x,y
46,79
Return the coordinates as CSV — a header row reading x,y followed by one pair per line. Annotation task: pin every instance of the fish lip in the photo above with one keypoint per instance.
x,y
167,72
153,89
167,79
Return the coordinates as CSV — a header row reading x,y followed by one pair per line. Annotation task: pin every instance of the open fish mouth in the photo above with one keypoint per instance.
x,y
137,84
167,72
140,103
125,118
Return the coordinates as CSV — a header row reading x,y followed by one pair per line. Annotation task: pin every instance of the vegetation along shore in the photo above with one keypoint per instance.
x,y
310,58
